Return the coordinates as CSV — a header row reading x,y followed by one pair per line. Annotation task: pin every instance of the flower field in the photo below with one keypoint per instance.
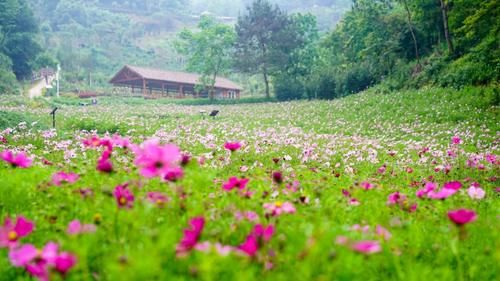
x,y
373,186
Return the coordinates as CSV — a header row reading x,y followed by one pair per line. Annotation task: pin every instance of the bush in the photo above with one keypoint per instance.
x,y
9,119
288,88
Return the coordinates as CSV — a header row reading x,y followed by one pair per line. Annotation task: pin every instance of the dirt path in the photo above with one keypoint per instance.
x,y
37,88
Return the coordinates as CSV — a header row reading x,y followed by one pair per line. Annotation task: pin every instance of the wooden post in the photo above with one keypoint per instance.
x,y
181,91
162,89
144,88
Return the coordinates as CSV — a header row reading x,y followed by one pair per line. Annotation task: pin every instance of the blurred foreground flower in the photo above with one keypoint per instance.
x,y
20,160
10,233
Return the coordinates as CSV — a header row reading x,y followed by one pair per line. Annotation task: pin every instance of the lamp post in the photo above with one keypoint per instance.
x,y
57,78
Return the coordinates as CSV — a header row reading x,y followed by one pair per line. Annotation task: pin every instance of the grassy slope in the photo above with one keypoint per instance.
x,y
346,131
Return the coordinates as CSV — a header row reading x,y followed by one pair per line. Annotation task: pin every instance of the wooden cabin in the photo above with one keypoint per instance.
x,y
156,83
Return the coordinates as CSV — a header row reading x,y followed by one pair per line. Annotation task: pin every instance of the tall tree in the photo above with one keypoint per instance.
x,y
264,40
208,50
447,36
412,31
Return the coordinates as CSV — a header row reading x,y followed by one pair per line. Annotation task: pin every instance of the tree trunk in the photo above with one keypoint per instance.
x,y
444,12
410,26
266,81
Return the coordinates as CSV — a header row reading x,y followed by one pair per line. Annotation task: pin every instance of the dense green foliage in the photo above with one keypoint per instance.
x,y
19,48
208,51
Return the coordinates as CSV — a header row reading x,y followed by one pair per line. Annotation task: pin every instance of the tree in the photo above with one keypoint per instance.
x,y
447,36
19,29
264,40
208,50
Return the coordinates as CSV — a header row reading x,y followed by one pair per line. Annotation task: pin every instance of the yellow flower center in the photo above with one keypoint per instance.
x,y
159,202
278,204
12,236
123,201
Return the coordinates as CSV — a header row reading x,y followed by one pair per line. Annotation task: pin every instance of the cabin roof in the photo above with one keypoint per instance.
x,y
173,77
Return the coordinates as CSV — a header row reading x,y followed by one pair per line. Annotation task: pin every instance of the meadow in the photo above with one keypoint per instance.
x,y
374,186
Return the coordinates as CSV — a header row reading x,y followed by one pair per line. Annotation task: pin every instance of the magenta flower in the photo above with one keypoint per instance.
x,y
191,236
234,182
395,198
277,177
256,238
155,160
124,196
250,246
429,186
157,198
232,146
62,177
278,208
173,174
64,262
367,186
367,247
456,140
75,227
39,263
462,216
104,163
11,233
19,160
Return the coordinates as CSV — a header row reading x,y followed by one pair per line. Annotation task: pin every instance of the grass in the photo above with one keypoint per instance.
x,y
326,146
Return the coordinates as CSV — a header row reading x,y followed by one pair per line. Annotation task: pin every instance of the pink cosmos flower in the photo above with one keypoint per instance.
x,y
157,198
191,236
476,192
367,186
38,263
232,146
367,247
62,177
462,216
124,196
234,182
278,208
11,233
456,140
155,160
104,163
256,238
429,186
75,227
448,190
395,198
173,174
93,141
20,160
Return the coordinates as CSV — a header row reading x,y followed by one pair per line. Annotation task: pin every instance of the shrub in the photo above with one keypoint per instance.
x,y
288,88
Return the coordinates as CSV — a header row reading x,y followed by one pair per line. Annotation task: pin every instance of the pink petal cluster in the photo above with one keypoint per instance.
x,y
476,192
155,160
104,163
234,182
430,191
10,232
462,216
38,263
124,197
75,227
63,177
19,160
191,236
232,146
367,247
256,239
278,208
367,185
